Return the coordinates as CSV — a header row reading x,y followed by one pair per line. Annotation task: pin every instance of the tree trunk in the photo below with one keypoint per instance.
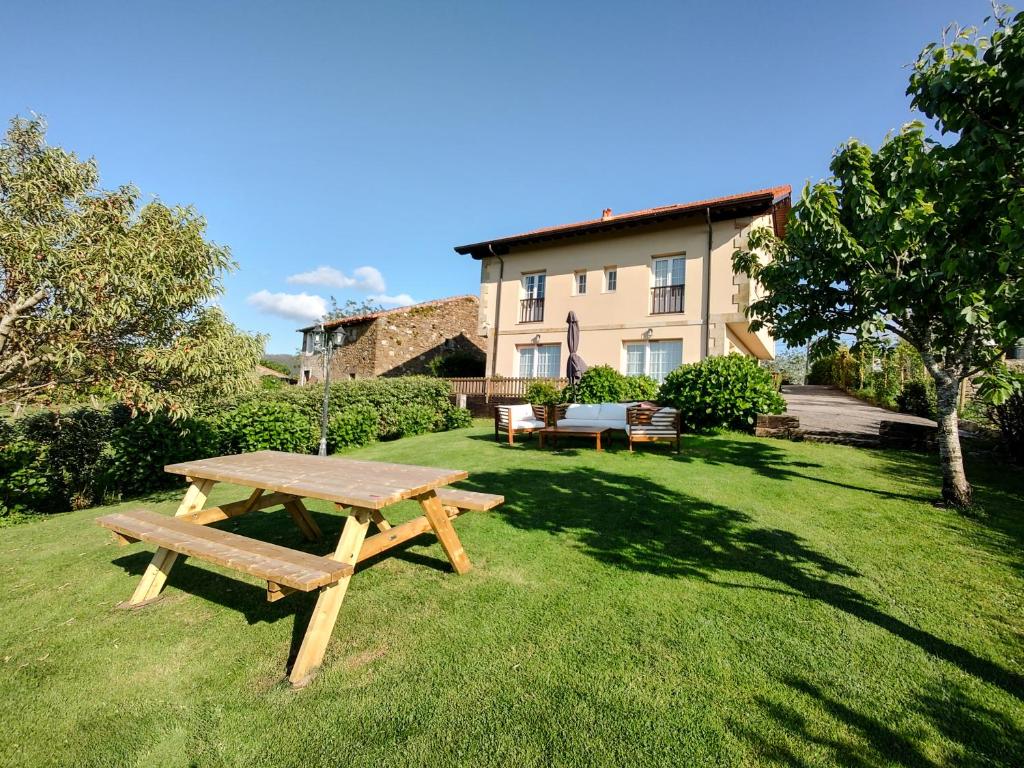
x,y
956,491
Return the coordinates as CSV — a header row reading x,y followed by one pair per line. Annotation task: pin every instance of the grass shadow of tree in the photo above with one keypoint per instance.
x,y
632,523
977,734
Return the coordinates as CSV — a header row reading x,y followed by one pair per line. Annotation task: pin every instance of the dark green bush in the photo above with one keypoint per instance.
x,y
417,419
638,388
457,418
258,425
600,384
352,426
917,398
718,392
140,448
543,392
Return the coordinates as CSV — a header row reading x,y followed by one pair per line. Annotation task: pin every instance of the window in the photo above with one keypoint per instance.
x,y
542,361
611,279
531,307
667,293
668,271
654,358
581,283
533,286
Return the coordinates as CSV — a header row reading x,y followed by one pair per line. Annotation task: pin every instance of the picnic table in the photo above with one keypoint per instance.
x,y
361,488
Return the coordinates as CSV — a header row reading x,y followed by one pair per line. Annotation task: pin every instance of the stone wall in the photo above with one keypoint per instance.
x,y
403,342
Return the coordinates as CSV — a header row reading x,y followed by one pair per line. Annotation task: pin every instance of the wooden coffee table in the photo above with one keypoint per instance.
x,y
554,432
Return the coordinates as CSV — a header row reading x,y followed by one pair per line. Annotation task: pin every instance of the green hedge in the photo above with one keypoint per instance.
x,y
717,392
604,384
52,462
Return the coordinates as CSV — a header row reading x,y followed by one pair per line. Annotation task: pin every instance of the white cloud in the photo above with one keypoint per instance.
x,y
363,278
401,300
294,306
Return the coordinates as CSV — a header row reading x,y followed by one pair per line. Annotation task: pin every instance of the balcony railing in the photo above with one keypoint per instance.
x,y
666,299
531,310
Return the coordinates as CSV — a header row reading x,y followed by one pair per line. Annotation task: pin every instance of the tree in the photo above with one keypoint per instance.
x,y
921,239
101,296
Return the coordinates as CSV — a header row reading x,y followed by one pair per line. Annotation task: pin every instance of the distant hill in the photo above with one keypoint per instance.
x,y
292,361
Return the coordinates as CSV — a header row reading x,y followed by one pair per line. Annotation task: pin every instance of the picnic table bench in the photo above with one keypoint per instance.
x,y
361,488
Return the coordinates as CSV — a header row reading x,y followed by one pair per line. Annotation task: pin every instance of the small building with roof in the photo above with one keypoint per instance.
x,y
397,342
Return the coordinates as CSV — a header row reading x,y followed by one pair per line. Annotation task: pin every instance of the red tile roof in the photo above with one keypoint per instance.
x,y
769,196
356,319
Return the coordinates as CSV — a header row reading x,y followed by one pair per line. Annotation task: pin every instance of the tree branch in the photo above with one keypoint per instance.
x,y
14,312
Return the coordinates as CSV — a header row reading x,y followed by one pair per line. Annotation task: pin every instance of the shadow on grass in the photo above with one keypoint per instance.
x,y
632,523
976,734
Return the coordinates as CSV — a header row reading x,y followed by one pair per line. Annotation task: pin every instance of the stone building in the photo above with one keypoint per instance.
x,y
397,342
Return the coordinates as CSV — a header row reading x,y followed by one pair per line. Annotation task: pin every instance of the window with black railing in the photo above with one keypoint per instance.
x,y
666,299
531,310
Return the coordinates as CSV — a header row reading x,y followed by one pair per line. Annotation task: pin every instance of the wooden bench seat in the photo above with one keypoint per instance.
x,y
478,502
280,566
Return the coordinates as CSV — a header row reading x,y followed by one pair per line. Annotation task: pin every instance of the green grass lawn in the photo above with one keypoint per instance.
x,y
748,602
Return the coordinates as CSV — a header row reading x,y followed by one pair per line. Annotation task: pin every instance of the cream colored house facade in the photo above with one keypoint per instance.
x,y
651,289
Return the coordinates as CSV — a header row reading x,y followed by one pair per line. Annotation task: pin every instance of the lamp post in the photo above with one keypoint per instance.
x,y
324,342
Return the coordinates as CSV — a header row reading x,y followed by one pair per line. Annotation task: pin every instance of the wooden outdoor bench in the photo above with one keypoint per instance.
x,y
454,501
285,570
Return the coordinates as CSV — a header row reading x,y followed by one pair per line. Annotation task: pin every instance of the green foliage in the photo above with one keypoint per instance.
x,y
1003,395
923,238
542,392
352,426
274,365
139,448
726,391
102,295
259,425
638,388
417,419
351,308
917,398
459,363
790,365
458,418
600,384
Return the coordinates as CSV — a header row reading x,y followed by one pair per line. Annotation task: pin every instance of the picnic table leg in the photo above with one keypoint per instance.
x,y
445,532
380,521
304,520
325,614
159,568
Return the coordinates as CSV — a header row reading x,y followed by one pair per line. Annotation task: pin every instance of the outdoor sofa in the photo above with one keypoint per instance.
x,y
642,422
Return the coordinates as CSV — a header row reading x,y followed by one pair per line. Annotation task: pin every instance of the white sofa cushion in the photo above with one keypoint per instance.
x,y
583,412
527,424
519,412
613,412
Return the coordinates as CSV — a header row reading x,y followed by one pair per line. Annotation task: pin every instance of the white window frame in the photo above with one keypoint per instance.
x,y
576,284
680,257
534,353
646,345
611,279
534,285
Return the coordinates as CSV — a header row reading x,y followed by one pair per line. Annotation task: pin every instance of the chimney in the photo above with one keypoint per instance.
x,y
606,214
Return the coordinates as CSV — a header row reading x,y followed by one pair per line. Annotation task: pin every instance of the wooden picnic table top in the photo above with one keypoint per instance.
x,y
367,484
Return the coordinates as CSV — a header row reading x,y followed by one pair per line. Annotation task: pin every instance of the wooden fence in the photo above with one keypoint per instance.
x,y
497,387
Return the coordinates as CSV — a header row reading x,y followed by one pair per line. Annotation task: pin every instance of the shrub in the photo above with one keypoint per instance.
x,y
638,388
140,448
600,384
917,398
1006,410
352,426
543,393
258,425
724,391
457,418
416,419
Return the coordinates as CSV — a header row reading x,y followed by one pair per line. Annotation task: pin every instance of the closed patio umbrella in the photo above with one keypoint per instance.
x,y
574,367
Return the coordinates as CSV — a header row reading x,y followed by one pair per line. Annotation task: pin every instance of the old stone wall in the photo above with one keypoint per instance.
x,y
403,342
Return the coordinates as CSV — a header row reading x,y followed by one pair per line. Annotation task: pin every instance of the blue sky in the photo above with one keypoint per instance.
x,y
343,148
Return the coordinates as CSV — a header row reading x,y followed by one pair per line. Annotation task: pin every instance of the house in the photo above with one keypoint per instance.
x,y
396,342
652,289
